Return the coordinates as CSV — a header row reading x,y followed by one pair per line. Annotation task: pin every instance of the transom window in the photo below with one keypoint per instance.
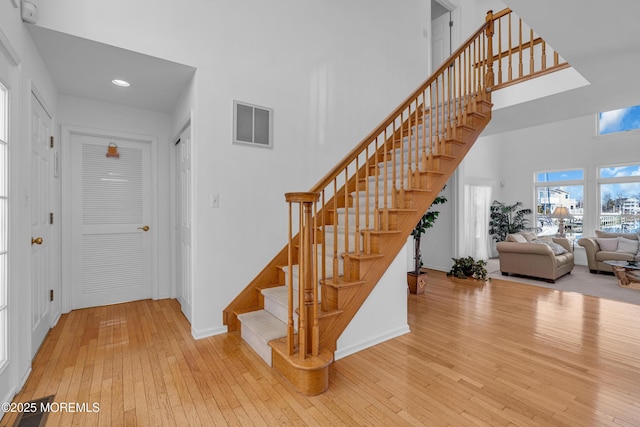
x,y
621,120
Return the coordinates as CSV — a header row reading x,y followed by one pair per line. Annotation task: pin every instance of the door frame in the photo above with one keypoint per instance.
x,y
67,131
53,191
186,122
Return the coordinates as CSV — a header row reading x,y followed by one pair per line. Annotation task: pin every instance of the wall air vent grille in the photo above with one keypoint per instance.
x,y
252,125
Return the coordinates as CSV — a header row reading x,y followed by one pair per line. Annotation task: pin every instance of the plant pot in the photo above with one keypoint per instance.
x,y
417,282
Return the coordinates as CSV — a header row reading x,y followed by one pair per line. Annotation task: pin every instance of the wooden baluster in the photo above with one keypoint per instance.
x,y
409,150
385,182
510,71
307,271
346,210
489,79
302,314
520,69
356,247
402,155
376,190
315,328
290,326
323,255
335,231
414,131
499,50
424,132
531,59
543,57
367,211
394,169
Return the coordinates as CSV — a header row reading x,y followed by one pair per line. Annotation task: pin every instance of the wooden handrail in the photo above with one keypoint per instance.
x,y
345,214
391,117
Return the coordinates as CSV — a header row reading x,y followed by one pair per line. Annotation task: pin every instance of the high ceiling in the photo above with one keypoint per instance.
x,y
600,40
85,68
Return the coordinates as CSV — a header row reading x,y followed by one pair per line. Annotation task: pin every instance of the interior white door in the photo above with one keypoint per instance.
x,y
183,220
41,185
440,40
110,220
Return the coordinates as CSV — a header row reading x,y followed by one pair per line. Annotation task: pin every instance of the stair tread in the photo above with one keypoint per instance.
x,y
264,325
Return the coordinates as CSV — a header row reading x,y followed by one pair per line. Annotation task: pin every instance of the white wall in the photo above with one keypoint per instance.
x,y
330,70
562,145
31,74
382,316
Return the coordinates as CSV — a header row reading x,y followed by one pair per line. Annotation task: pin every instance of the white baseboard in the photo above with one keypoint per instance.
x,y
343,352
205,333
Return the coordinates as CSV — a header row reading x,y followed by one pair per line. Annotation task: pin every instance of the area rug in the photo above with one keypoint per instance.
x,y
580,280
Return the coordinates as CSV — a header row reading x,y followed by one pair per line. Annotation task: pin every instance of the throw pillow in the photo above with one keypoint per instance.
x,y
556,248
609,244
627,245
518,238
604,234
529,236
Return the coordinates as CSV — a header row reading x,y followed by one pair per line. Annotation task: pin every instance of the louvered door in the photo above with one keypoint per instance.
x,y
111,230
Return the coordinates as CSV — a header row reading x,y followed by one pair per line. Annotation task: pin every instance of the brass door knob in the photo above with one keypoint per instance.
x,y
145,228
36,241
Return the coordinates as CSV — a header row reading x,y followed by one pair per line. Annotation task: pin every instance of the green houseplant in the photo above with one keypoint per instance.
x,y
506,219
416,278
466,267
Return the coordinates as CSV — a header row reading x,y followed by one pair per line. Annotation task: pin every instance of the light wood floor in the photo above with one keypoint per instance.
x,y
495,354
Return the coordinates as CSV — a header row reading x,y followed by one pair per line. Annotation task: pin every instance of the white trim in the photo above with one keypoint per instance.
x,y
65,147
209,332
380,338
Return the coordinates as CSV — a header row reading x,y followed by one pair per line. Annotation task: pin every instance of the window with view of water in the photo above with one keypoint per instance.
x,y
621,120
559,189
619,190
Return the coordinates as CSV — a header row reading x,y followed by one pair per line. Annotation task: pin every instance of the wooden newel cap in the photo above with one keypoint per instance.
x,y
302,197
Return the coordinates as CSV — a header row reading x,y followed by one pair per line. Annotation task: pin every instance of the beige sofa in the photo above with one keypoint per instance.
x,y
544,258
609,247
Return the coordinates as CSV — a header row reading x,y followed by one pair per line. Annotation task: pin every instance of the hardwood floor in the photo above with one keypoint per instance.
x,y
500,353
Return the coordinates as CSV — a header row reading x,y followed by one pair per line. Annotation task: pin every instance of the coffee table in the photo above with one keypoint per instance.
x,y
628,274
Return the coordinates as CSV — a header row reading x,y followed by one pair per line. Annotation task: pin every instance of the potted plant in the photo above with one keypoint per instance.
x,y
506,219
467,267
417,278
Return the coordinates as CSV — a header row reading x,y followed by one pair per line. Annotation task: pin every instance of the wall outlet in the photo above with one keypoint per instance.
x,y
214,200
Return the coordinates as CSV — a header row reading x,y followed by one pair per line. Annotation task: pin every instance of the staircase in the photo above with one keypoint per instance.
x,y
352,224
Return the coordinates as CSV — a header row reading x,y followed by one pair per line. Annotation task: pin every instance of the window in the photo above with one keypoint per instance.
x,y
4,119
619,190
621,120
554,189
252,125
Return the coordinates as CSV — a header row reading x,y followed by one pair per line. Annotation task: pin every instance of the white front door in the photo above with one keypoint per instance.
x,y
111,229
41,247
183,221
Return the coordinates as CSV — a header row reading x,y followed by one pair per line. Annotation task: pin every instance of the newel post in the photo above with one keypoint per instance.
x,y
308,332
490,28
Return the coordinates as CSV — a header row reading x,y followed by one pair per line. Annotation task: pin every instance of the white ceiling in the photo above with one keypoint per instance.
x,y
85,68
600,40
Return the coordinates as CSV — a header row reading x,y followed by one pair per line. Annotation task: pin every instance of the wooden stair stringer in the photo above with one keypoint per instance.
x,y
369,269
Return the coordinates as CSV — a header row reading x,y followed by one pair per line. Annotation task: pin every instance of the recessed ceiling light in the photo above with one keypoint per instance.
x,y
121,83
